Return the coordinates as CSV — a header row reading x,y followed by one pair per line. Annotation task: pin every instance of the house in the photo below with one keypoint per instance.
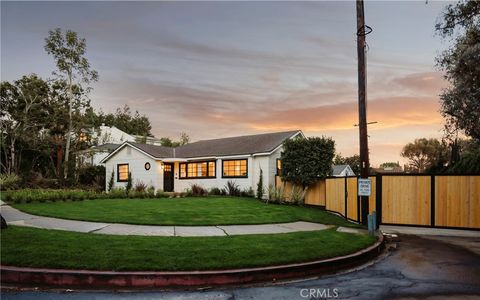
x,y
208,163
106,139
342,171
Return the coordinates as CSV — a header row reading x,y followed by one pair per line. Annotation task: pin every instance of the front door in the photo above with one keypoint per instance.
x,y
168,177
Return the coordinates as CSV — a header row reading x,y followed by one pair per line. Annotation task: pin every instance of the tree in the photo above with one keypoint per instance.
x,y
424,153
353,161
23,110
306,160
68,50
460,103
167,142
390,165
260,188
124,120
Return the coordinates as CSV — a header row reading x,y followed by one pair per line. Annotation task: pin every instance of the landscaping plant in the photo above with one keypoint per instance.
x,y
260,188
232,188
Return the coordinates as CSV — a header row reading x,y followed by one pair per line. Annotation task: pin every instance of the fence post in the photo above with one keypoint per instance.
x,y
432,200
378,199
346,197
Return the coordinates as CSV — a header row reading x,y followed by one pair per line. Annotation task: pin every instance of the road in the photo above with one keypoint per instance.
x,y
415,268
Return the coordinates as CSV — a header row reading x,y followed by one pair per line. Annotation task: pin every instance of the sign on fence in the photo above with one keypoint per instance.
x,y
364,187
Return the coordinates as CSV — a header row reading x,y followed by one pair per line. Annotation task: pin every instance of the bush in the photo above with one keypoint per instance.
x,y
161,194
197,190
215,191
117,192
140,187
129,185
297,195
260,188
151,192
38,195
275,194
9,181
232,188
91,175
111,181
247,192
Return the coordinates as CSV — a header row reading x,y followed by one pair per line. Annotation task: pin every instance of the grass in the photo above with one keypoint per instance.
x,y
32,247
182,211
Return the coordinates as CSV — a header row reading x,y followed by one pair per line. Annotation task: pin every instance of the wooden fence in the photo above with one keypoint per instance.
x,y
444,201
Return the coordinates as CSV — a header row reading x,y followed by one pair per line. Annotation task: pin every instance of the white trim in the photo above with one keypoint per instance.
x,y
121,147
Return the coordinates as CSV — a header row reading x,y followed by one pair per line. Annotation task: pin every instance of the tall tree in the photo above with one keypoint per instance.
x,y
424,153
68,50
125,120
460,103
23,109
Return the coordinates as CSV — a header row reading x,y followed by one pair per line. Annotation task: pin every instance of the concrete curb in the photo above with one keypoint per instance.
x,y
111,279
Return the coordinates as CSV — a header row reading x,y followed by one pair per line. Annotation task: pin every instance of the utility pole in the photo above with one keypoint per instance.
x,y
362,104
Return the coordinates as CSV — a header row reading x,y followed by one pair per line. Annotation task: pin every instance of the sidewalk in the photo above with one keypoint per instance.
x,y
16,217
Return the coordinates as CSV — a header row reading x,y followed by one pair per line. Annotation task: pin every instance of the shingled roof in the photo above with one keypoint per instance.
x,y
247,144
240,145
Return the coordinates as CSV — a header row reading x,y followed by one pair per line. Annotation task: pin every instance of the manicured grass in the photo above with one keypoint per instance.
x,y
182,211
32,247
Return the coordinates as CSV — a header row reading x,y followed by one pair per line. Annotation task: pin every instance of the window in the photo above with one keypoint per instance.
x,y
279,167
147,166
122,173
235,168
203,169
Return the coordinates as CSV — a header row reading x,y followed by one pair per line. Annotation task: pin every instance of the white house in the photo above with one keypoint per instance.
x,y
106,139
209,163
342,171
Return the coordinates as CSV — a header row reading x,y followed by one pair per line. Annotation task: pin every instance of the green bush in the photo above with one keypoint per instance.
x,y
215,191
161,194
9,181
275,194
297,195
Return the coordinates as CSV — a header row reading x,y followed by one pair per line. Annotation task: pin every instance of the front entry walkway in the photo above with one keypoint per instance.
x,y
16,217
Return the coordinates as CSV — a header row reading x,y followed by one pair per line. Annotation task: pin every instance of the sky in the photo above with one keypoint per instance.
x,y
218,69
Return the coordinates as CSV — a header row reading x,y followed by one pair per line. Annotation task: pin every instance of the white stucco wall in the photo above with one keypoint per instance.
x,y
154,177
136,162
180,185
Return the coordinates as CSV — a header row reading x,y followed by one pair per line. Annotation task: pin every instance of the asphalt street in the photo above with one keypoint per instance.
x,y
414,268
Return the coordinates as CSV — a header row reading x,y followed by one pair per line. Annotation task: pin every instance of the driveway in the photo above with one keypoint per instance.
x,y
415,268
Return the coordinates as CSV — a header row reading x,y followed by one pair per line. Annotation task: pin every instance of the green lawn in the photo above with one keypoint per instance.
x,y
182,211
32,247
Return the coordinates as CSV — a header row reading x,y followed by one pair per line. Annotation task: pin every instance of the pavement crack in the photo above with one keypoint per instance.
x,y
97,229
223,230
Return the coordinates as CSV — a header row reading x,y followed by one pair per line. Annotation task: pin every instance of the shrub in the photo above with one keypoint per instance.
x,y
247,192
151,192
9,181
140,187
188,192
198,190
275,194
128,187
232,188
161,194
118,192
297,195
260,188
215,191
91,175
111,181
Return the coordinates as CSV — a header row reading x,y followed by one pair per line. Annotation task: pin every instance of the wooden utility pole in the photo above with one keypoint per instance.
x,y
362,104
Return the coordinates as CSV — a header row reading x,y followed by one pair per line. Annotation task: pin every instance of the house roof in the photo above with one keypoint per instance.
x,y
247,144
338,169
240,145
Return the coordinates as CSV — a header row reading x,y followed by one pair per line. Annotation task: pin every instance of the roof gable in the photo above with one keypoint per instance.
x,y
241,145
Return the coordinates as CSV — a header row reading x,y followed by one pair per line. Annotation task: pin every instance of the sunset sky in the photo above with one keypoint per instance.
x,y
217,69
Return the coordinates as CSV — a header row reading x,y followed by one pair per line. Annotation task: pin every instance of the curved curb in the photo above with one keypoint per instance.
x,y
111,279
